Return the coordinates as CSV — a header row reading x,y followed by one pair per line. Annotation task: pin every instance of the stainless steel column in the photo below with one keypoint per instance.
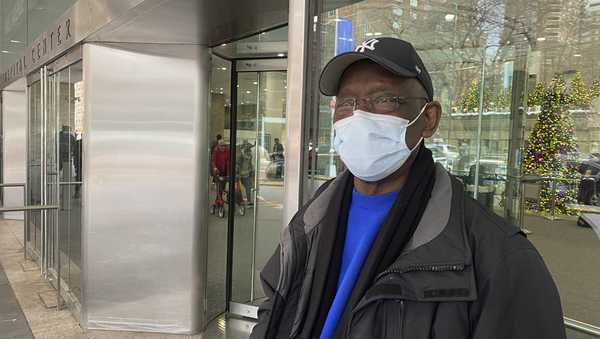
x,y
144,200
296,76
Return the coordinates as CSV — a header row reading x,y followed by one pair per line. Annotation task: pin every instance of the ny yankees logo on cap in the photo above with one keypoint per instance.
x,y
369,44
395,55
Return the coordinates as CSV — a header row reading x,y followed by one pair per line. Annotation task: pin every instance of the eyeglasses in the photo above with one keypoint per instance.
x,y
379,104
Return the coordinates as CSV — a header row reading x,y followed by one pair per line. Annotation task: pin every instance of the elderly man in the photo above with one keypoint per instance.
x,y
392,248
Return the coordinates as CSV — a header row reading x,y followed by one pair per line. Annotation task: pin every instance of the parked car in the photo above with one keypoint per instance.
x,y
445,154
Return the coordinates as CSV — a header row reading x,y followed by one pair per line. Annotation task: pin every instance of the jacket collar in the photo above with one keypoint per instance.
x,y
443,209
437,264
320,207
440,236
439,243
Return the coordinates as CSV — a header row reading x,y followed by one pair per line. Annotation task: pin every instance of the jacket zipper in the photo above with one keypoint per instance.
x,y
405,269
422,268
402,318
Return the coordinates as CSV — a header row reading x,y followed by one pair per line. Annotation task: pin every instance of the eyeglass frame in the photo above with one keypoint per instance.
x,y
396,98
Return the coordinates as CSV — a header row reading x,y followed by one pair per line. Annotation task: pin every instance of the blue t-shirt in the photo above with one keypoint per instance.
x,y
367,213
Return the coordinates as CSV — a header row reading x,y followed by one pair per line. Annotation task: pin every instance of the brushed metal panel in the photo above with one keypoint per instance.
x,y
143,221
153,22
295,109
148,21
201,22
14,114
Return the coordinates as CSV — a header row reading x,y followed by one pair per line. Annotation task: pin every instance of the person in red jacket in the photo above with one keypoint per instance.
x,y
219,160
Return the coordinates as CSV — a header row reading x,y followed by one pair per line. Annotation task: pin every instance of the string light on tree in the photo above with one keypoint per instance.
x,y
552,141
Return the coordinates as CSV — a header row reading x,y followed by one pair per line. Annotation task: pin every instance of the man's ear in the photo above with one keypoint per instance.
x,y
433,114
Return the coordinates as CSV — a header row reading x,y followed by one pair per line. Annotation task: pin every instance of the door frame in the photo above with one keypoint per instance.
x,y
241,65
49,273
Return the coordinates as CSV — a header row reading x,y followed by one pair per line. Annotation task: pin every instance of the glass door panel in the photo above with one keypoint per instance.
x,y
51,182
34,170
66,176
271,124
219,122
70,154
246,150
259,173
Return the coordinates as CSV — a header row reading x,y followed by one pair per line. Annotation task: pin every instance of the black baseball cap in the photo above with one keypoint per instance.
x,y
395,55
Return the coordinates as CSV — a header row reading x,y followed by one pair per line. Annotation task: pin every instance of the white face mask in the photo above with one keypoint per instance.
x,y
373,146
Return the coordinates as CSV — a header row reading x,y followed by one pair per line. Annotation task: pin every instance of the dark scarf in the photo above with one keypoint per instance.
x,y
395,232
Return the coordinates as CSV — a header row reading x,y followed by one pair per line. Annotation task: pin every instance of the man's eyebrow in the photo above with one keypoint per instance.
x,y
382,89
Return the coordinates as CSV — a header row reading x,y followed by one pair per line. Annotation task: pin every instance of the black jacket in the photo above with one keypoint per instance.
x,y
465,273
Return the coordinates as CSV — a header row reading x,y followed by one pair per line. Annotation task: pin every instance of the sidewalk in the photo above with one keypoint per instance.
x,y
26,282
13,324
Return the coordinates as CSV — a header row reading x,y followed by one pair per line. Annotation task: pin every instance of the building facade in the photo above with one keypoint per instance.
x,y
166,143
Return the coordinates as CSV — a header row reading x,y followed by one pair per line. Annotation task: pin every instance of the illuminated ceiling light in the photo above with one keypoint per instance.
x,y
5,51
541,39
450,17
280,54
256,82
223,45
577,55
223,68
248,92
16,41
369,34
377,33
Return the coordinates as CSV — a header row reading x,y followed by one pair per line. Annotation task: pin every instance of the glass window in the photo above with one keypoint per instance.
x,y
525,152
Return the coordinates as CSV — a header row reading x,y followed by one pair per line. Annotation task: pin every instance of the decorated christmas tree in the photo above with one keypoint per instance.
x,y
502,99
469,100
552,141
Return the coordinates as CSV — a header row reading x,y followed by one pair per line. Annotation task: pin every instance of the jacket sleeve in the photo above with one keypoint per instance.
x,y
269,277
518,301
